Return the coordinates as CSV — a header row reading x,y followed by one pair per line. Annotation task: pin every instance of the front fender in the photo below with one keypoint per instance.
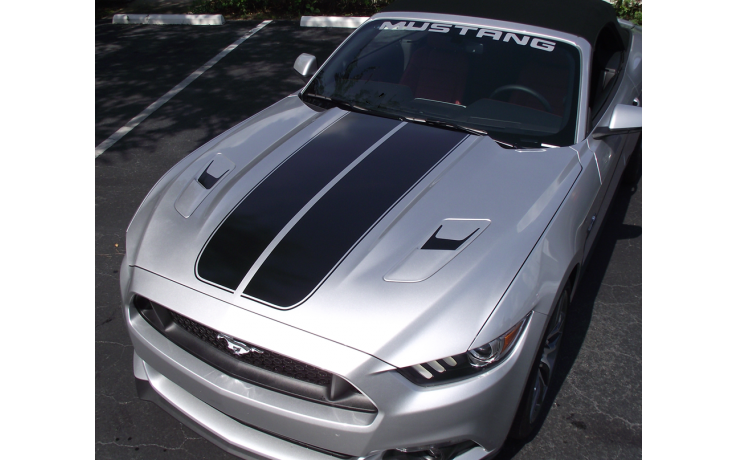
x,y
555,258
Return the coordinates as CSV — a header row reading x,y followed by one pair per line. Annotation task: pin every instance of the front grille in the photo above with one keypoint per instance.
x,y
259,366
267,360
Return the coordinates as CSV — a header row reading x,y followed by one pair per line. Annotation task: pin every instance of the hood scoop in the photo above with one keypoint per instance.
x,y
200,187
436,251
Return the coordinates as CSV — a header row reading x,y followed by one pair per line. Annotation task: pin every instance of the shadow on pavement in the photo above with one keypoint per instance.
x,y
135,65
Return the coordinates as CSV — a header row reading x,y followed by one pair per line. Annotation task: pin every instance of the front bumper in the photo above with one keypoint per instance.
x,y
253,422
213,425
231,435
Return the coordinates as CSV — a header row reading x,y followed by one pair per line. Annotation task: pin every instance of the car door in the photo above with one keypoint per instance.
x,y
609,87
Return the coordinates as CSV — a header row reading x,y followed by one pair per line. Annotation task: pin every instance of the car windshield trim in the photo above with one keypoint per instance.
x,y
349,106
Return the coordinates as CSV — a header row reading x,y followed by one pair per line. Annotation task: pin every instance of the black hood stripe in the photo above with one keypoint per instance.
x,y
336,223
259,217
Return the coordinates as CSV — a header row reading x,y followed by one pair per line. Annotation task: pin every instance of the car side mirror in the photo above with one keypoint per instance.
x,y
305,65
625,119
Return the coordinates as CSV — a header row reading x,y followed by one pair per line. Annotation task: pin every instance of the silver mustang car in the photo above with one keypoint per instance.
x,y
379,266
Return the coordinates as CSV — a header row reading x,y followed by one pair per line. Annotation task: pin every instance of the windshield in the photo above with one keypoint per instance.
x,y
518,88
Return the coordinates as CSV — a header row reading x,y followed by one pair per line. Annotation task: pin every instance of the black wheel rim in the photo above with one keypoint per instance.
x,y
548,359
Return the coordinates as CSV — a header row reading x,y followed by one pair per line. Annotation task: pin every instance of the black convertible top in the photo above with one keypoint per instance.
x,y
584,18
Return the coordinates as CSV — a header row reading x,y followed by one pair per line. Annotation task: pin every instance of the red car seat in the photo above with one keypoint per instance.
x,y
437,71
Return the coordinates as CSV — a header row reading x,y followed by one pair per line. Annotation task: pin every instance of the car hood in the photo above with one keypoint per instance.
x,y
396,239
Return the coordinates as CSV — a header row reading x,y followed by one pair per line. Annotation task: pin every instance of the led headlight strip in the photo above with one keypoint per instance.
x,y
469,363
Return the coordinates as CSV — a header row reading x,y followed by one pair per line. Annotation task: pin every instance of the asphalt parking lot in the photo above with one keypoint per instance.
x,y
597,412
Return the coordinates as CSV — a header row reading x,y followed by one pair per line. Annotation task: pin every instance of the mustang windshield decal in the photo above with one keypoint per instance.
x,y
519,88
537,43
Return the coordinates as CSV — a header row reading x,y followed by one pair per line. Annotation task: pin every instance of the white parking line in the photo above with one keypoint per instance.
x,y
135,121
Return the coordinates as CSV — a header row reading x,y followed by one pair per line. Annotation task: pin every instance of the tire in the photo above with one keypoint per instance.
x,y
632,173
536,392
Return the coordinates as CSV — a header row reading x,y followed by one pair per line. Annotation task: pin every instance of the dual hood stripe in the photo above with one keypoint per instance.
x,y
315,199
324,236
259,217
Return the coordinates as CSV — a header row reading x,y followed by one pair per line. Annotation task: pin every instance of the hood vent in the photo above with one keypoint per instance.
x,y
199,188
443,244
452,236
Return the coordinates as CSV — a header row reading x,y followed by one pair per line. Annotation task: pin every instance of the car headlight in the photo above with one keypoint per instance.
x,y
469,363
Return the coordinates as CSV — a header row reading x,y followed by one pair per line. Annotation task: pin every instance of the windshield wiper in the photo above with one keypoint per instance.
x,y
349,106
507,144
447,124
524,144
345,105
455,126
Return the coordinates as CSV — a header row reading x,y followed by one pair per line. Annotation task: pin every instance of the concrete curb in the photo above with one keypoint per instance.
x,y
333,21
191,19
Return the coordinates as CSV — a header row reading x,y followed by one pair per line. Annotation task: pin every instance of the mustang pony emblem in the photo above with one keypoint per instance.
x,y
237,347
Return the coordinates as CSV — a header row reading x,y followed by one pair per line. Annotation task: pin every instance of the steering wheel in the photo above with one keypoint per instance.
x,y
524,89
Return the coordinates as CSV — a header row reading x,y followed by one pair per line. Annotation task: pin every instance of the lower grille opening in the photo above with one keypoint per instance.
x,y
251,363
146,392
294,441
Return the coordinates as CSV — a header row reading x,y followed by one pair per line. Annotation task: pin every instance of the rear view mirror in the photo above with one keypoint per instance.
x,y
625,119
305,65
